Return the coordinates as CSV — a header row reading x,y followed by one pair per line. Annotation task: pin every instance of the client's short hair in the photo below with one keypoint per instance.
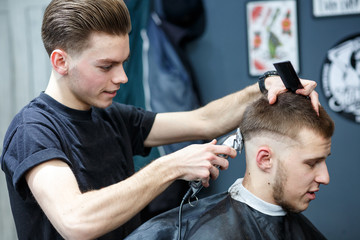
x,y
291,113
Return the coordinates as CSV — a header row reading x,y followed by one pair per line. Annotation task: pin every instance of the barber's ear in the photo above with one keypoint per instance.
x,y
264,159
59,61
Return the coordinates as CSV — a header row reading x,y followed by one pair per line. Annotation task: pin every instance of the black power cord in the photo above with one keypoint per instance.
x,y
186,196
235,141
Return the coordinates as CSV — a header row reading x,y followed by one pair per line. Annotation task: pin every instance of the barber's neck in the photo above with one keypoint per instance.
x,y
53,89
58,89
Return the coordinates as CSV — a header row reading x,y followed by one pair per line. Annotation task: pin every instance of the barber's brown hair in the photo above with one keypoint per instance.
x,y
291,113
67,24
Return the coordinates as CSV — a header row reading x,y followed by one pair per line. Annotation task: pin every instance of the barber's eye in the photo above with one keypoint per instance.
x,y
106,68
311,164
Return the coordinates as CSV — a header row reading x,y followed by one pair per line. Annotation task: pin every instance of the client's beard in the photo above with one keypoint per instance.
x,y
278,190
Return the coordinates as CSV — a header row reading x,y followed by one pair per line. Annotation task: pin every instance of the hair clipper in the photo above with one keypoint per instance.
x,y
235,141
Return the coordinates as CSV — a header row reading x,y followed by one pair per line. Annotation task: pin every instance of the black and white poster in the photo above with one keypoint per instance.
x,y
341,78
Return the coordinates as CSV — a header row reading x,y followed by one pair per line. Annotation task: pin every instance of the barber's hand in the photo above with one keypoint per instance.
x,y
199,161
275,86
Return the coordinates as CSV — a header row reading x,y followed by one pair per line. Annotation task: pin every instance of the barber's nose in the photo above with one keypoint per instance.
x,y
322,176
120,75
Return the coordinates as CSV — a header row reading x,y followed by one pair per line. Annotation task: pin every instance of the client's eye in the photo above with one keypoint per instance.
x,y
311,164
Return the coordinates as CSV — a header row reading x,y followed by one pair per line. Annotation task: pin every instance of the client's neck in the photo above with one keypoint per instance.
x,y
258,185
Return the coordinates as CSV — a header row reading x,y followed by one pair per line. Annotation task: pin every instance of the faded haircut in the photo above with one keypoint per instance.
x,y
291,113
67,24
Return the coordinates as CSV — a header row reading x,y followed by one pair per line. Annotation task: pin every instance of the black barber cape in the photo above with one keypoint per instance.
x,y
229,215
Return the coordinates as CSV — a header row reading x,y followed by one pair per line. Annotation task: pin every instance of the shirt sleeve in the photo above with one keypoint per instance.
x,y
28,146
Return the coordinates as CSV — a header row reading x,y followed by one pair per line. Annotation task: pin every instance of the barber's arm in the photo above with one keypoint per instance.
x,y
220,116
77,215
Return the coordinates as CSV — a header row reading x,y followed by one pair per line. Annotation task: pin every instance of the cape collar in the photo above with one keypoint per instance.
x,y
239,193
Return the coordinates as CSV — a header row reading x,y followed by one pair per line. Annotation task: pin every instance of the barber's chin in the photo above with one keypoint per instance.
x,y
104,104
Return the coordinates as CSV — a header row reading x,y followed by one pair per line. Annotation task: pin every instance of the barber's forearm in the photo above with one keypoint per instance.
x,y
213,120
88,215
111,207
224,115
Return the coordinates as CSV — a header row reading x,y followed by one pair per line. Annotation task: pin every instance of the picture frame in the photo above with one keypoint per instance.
x,y
329,8
272,34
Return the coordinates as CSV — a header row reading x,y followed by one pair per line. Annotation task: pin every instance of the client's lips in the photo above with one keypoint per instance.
x,y
311,194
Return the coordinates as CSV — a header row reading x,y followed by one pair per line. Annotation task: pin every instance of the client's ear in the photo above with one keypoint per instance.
x,y
59,61
263,158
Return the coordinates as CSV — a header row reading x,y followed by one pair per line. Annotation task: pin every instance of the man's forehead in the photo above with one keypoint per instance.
x,y
308,136
107,48
313,145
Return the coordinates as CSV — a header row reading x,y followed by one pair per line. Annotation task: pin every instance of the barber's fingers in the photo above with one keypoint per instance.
x,y
220,162
274,92
308,90
205,182
213,142
314,97
199,161
277,87
215,172
225,150
308,85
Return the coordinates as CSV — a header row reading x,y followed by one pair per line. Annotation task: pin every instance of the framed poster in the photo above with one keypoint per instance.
x,y
272,34
341,78
325,8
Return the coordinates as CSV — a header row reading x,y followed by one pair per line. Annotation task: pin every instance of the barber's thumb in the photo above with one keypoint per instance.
x,y
214,141
271,98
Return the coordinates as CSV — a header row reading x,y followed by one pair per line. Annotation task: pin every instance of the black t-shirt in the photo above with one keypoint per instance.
x,y
98,145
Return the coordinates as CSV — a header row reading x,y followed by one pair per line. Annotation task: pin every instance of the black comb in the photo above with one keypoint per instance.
x,y
288,75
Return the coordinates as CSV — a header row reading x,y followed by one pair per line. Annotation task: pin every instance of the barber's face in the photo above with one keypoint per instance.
x,y
300,171
95,75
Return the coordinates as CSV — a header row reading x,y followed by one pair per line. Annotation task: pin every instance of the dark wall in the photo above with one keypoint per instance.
x,y
219,58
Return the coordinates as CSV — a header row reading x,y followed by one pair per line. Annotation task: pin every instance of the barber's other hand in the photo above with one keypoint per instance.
x,y
200,161
275,86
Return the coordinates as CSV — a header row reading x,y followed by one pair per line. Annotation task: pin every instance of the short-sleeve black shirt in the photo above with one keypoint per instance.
x,y
98,145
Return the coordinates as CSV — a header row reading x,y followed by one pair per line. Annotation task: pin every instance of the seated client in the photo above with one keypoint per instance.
x,y
286,145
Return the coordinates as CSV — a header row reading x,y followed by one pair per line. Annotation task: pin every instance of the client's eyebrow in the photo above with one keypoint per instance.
x,y
317,159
